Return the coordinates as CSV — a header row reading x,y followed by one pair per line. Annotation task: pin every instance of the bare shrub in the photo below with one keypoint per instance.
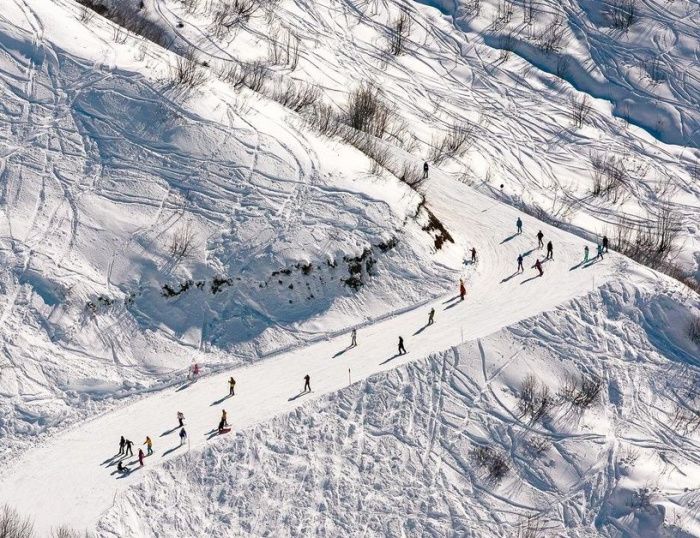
x,y
538,445
67,532
492,460
694,330
453,144
552,37
686,419
610,176
623,13
187,71
182,243
367,112
530,527
283,48
652,242
296,96
534,399
85,14
529,11
580,109
228,15
190,5
582,391
123,15
324,119
12,525
653,70
411,175
254,75
399,31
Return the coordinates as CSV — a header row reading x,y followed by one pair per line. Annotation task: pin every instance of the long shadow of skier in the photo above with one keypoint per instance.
x,y
509,238
592,262
574,267
451,299
506,279
127,473
391,358
531,278
452,305
343,351
186,385
424,327
170,450
168,432
217,402
298,395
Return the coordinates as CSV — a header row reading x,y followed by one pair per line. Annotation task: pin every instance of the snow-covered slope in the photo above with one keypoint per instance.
x,y
394,455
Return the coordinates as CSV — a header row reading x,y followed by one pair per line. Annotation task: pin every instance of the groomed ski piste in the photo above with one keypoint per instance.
x,y
105,161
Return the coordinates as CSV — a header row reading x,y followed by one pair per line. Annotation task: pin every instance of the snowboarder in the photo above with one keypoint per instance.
x,y
180,419
585,254
605,243
402,349
600,252
540,235
224,418
538,266
231,386
122,441
550,251
425,170
149,445
519,225
473,255
462,289
520,263
353,338
141,456
128,445
307,383
183,436
431,316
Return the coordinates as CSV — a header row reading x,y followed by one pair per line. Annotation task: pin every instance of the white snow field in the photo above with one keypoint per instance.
x,y
147,225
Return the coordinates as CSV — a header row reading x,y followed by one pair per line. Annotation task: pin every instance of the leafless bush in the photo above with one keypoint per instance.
x,y
652,242
411,175
254,75
623,13
492,460
503,14
686,419
530,527
119,34
187,71
653,70
472,6
535,399
582,391
190,5
227,15
694,330
182,243
12,525
367,112
453,144
296,96
609,175
324,119
538,445
124,15
399,31
283,48
85,14
580,109
529,11
67,532
552,37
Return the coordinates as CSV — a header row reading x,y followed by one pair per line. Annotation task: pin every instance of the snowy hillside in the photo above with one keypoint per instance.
x,y
239,183
442,446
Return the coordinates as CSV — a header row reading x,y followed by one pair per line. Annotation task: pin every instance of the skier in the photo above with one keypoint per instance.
x,y
141,456
222,425
149,445
605,243
121,468
473,255
519,225
425,170
180,419
520,263
307,383
431,316
550,251
538,266
195,370
231,386
353,338
540,235
462,289
224,418
600,252
402,349
183,436
128,445
122,441
585,254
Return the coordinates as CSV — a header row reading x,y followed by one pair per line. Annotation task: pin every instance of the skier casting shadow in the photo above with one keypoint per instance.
x,y
168,432
170,450
509,238
343,351
217,402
